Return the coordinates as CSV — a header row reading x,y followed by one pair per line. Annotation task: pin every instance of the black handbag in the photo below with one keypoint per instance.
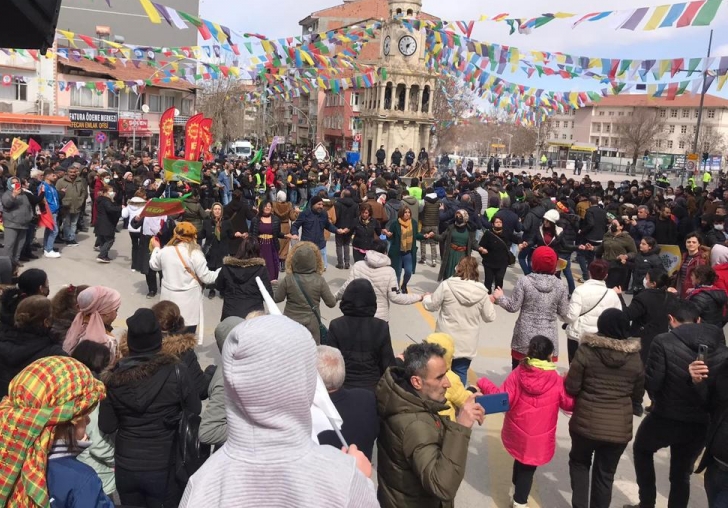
x,y
190,453
323,331
511,257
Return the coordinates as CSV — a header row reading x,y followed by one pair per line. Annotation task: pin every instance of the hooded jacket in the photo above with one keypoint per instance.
x,y
413,204
143,403
586,305
430,216
456,395
421,455
132,211
535,396
236,281
666,374
306,265
17,210
193,212
107,216
643,263
313,224
712,302
606,377
347,211
269,458
363,339
540,298
20,348
463,306
377,269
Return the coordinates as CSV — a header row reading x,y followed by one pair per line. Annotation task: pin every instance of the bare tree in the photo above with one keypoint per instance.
x,y
638,133
453,103
709,140
233,117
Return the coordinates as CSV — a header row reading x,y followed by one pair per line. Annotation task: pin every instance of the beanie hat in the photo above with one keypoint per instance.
x,y
316,200
30,280
281,196
718,255
552,216
613,323
144,334
544,260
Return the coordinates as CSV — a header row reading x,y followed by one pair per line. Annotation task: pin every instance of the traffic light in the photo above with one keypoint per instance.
x,y
706,156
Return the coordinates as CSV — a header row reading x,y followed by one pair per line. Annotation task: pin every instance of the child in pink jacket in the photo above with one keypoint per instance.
x,y
536,393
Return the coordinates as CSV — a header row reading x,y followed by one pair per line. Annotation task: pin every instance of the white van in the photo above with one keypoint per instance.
x,y
241,149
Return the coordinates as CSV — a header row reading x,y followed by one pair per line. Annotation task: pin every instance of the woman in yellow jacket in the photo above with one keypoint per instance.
x,y
456,395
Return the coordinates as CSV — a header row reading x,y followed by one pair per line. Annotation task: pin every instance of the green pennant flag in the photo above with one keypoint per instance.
x,y
181,170
258,157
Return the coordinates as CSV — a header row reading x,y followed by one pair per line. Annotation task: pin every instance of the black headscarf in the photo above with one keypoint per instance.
x,y
613,323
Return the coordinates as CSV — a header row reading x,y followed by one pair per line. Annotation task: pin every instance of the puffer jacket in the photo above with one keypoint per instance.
x,y
421,455
236,281
377,269
648,313
643,263
712,304
430,216
615,245
456,395
463,306
539,298
587,303
667,379
606,377
535,396
17,210
363,339
132,211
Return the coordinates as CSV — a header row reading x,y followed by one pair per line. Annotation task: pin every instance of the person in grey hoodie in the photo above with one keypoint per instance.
x,y
539,297
17,215
213,427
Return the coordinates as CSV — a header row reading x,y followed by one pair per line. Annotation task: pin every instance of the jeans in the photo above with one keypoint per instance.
x,y
523,481
226,197
685,439
584,258
105,243
494,275
716,486
406,264
606,459
460,367
303,195
70,222
567,272
49,237
325,258
147,489
343,249
293,195
14,242
524,259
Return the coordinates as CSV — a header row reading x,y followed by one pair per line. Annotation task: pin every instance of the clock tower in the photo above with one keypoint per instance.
x,y
397,111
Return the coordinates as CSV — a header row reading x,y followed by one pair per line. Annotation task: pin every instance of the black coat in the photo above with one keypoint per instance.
x,y
277,235
217,249
643,263
365,234
595,224
237,283
648,313
364,340
667,379
714,393
347,211
498,247
665,231
711,301
20,348
238,213
107,216
143,403
358,409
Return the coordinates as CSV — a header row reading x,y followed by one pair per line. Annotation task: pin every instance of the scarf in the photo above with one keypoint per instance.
x,y
218,222
92,303
540,364
48,392
407,237
184,232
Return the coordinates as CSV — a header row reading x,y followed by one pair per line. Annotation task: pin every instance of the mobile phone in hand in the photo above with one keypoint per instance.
x,y
702,352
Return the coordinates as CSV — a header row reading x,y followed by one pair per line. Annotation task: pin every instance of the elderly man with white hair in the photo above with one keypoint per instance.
x,y
356,406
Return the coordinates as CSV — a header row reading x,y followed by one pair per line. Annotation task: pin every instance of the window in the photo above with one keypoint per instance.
x,y
607,127
686,113
557,124
155,103
630,113
601,113
571,136
671,130
673,113
658,143
680,145
113,100
611,113
683,129
563,136
597,127
18,91
621,113
86,98
663,113
695,129
354,102
669,143
711,113
186,107
572,124
697,113
167,102
132,101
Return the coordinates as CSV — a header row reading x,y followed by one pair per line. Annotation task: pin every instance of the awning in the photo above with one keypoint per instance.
x,y
575,147
17,118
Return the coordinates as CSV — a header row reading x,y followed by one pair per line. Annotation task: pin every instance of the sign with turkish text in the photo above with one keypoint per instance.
x,y
129,125
27,128
321,153
94,120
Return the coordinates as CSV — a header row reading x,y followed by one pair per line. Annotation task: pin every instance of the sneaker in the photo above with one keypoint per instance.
x,y
72,243
151,295
51,254
421,261
103,260
59,240
340,267
97,249
433,264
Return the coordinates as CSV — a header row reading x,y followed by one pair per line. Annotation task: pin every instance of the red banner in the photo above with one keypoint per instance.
x,y
166,136
33,146
192,138
206,139
162,207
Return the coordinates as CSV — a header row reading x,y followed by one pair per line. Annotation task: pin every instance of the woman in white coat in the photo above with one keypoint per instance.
x,y
185,273
587,303
464,304
130,212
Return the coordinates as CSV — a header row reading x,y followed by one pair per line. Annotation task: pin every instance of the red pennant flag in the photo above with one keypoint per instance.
x,y
166,136
192,138
206,139
33,146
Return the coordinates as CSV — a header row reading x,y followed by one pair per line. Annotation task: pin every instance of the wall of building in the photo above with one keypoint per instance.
x,y
26,86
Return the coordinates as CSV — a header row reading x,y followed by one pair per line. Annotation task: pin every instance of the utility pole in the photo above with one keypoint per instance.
x,y
702,98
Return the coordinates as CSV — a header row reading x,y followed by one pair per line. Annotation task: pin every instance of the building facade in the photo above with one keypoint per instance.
x,y
127,19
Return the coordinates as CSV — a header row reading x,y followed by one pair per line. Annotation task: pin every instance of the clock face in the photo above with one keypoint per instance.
x,y
387,45
407,45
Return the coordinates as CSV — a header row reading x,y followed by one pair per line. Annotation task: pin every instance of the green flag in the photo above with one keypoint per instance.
x,y
258,157
181,170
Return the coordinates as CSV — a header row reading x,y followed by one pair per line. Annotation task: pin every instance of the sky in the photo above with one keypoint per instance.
x,y
597,39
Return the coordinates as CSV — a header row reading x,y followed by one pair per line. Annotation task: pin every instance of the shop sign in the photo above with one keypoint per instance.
x,y
24,128
128,125
94,120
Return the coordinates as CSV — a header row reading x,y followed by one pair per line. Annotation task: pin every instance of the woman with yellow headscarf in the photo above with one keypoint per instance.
x,y
43,421
185,273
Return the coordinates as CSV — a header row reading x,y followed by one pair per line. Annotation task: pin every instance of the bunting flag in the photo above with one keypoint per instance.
x,y
182,170
151,11
206,139
192,138
18,148
70,149
33,146
166,136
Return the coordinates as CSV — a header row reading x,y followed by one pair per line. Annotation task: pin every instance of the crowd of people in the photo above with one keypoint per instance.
x,y
92,416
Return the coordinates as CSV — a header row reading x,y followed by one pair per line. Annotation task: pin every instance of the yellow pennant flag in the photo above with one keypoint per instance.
x,y
18,148
657,16
68,35
151,11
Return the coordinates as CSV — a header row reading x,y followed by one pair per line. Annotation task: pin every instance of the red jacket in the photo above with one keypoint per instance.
x,y
270,177
535,396
722,272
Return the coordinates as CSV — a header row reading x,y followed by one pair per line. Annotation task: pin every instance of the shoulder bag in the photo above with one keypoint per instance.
x,y
323,331
511,257
565,325
190,453
187,267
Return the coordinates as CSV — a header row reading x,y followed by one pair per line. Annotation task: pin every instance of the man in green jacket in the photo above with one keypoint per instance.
x,y
421,454
73,191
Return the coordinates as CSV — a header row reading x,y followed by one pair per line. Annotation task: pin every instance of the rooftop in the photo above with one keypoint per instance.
x,y
687,100
360,10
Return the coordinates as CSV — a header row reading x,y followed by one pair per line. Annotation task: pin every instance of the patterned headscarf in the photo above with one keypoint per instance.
x,y
92,303
184,232
48,392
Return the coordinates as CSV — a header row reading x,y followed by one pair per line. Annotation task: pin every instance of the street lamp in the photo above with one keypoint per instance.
x,y
135,123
